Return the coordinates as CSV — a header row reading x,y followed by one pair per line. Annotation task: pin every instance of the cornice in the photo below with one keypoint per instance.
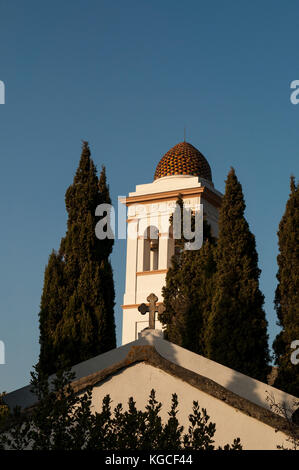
x,y
162,196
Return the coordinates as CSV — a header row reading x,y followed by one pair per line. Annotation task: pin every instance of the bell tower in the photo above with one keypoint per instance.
x,y
150,244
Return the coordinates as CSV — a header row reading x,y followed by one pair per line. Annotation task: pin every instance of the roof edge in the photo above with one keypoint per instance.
x,y
149,355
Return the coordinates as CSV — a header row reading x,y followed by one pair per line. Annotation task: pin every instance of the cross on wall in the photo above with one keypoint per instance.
x,y
152,308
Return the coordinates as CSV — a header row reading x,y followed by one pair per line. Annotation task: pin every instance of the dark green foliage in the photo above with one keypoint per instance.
x,y
63,420
290,414
52,305
188,293
4,410
287,294
77,306
237,333
188,297
214,306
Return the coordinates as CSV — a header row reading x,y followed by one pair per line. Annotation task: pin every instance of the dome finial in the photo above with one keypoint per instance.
x,y
184,134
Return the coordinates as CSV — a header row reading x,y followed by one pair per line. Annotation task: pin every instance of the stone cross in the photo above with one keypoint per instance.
x,y
152,309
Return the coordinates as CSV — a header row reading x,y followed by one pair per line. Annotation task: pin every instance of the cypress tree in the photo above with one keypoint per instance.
x,y
52,305
188,292
237,332
287,294
82,316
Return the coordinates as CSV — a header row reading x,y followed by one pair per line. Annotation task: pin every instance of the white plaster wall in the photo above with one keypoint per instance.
x,y
134,323
241,384
131,265
212,216
139,379
157,214
169,183
147,283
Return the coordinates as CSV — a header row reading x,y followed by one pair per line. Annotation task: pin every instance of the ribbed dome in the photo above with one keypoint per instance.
x,y
183,159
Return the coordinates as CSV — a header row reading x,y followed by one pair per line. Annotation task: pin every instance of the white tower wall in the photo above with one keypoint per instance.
x,y
151,205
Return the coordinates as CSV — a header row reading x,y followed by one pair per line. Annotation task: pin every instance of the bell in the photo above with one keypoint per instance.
x,y
154,245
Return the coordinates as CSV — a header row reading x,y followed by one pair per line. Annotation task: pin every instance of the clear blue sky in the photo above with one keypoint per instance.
x,y
128,76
